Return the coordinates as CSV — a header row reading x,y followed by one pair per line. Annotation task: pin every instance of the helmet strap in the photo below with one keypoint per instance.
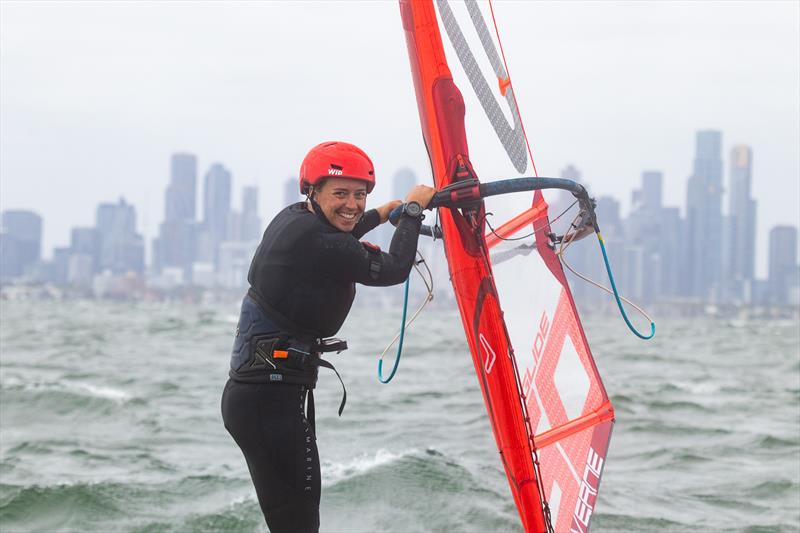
x,y
318,211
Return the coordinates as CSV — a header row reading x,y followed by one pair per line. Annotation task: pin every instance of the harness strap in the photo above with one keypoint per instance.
x,y
326,364
310,412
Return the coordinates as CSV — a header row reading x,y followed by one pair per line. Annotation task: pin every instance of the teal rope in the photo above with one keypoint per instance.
x,y
399,344
616,295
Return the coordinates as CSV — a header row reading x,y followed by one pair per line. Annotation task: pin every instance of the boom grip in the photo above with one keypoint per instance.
x,y
426,230
466,193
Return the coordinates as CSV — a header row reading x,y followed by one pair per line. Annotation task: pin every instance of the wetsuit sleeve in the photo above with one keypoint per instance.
x,y
344,258
369,221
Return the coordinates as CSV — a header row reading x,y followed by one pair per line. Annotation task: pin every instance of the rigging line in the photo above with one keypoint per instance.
x,y
549,222
401,334
563,248
513,92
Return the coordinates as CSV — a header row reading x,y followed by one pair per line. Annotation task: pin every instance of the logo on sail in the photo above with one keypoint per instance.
x,y
587,493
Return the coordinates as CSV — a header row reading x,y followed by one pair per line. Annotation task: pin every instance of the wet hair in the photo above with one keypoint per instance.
x,y
312,189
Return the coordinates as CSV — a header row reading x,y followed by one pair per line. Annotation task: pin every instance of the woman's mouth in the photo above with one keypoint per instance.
x,y
347,216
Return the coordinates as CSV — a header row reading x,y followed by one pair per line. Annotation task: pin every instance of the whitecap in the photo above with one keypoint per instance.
x,y
81,388
108,393
333,472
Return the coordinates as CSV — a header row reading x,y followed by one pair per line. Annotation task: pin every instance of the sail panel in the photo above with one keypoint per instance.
x,y
543,394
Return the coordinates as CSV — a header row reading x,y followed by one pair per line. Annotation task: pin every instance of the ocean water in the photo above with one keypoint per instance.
x,y
110,421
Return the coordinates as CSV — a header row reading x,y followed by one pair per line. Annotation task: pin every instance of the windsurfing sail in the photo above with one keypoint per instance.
x,y
548,409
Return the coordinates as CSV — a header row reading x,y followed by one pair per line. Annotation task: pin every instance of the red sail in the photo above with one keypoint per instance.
x,y
542,391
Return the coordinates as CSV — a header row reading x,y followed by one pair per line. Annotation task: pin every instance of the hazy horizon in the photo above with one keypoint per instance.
x,y
96,96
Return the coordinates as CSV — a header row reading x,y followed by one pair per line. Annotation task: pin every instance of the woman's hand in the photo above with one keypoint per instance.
x,y
387,208
421,194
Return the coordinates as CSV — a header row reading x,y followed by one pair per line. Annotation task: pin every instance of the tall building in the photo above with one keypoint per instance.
x,y
251,229
740,243
121,248
181,196
20,242
702,268
608,211
645,232
782,263
217,201
87,241
61,255
669,248
649,195
217,217
176,244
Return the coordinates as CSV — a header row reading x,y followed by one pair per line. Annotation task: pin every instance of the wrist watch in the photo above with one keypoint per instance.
x,y
412,209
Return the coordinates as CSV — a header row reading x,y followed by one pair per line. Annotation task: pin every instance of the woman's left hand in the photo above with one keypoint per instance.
x,y
387,208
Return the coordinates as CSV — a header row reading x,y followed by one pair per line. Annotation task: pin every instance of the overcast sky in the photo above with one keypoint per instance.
x,y
94,97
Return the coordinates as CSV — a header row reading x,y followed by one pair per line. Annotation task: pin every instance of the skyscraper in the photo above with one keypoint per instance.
x,y
86,241
644,265
217,201
741,235
251,223
650,193
177,236
702,269
782,262
181,195
121,248
20,242
669,247
218,221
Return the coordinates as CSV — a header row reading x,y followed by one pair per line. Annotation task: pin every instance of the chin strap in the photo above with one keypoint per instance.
x,y
318,211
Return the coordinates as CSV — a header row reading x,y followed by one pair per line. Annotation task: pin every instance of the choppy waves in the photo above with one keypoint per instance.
x,y
110,422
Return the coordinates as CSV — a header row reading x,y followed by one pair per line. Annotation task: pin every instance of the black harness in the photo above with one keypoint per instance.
x,y
278,357
288,361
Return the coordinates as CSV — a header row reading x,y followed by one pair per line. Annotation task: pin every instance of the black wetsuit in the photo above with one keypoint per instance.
x,y
302,284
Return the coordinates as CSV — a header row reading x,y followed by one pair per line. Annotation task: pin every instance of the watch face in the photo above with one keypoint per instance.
x,y
413,209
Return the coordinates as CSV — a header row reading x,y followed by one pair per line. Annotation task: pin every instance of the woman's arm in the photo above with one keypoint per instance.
x,y
344,258
369,221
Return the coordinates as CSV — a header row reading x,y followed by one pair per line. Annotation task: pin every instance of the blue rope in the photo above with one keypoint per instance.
x,y
399,344
616,295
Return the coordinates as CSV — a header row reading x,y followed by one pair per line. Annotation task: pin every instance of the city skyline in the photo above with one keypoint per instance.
x,y
658,253
95,96
732,177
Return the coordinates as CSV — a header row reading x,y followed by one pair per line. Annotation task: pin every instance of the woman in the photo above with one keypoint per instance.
x,y
302,284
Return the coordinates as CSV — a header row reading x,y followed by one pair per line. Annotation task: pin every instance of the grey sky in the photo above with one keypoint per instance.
x,y
95,96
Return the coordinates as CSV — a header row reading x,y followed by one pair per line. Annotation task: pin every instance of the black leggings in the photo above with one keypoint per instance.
x,y
268,423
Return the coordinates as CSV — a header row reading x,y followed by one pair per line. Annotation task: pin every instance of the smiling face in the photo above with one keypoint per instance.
x,y
342,201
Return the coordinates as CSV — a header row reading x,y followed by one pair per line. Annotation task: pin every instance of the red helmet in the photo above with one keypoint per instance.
x,y
336,159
